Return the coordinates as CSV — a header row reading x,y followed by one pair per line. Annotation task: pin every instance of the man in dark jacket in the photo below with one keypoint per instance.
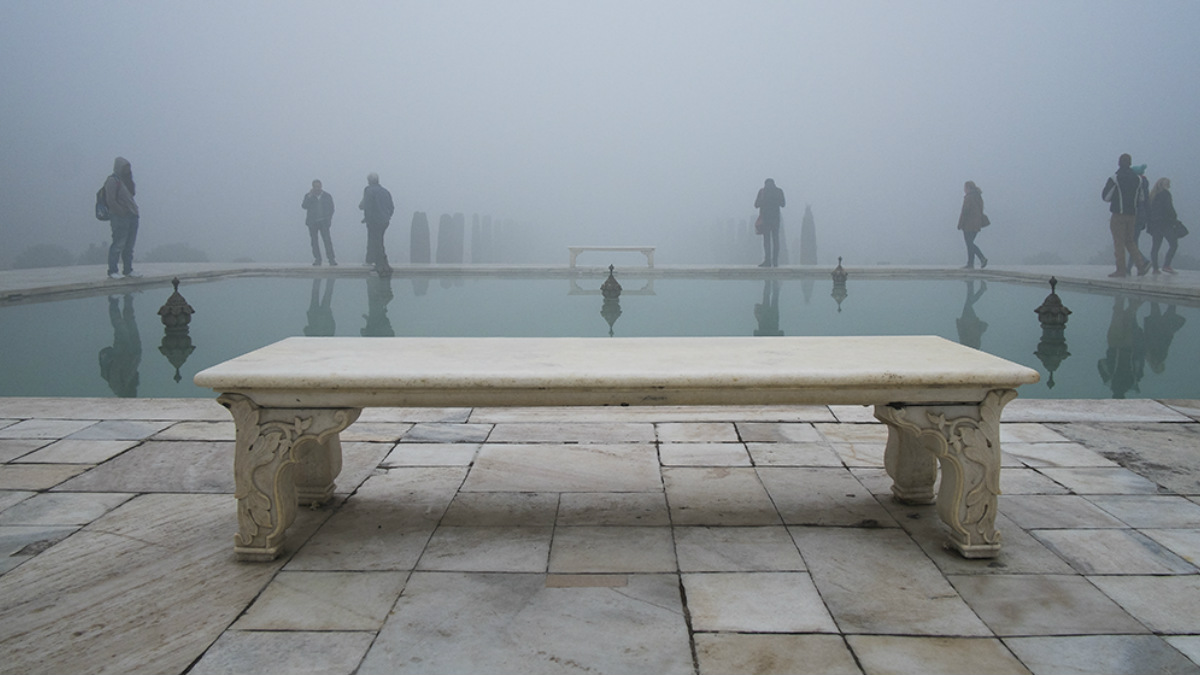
x,y
1122,194
768,202
319,205
377,208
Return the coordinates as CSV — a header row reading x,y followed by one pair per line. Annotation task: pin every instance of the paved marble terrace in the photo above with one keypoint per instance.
x,y
556,540
665,540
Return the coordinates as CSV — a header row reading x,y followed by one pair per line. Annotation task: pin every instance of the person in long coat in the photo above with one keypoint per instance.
x,y
971,220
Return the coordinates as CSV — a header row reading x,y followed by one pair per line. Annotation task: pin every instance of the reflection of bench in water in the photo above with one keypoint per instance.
x,y
939,400
648,251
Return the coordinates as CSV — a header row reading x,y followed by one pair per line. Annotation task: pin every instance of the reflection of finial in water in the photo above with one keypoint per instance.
x,y
1052,348
611,309
839,283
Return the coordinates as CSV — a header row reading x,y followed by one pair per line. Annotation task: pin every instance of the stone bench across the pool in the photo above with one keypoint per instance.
x,y
940,401
648,251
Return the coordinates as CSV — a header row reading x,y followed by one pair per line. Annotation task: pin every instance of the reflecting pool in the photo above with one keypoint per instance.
x,y
1113,345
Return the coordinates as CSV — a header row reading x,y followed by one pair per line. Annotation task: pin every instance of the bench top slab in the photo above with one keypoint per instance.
x,y
363,372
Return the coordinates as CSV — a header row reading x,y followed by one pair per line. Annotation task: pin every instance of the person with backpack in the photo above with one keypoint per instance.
x,y
123,218
1121,192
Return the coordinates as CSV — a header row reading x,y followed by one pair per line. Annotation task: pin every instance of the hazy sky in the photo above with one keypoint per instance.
x,y
604,122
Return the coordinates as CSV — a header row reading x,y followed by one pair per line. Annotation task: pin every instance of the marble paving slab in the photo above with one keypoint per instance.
x,y
778,432
612,550
718,496
1089,410
514,623
548,467
20,543
756,602
62,508
163,556
823,496
1150,510
12,448
285,653
502,509
1113,552
880,582
487,549
791,654
576,432
703,454
1017,605
647,509
431,454
440,432
697,413
1184,543
171,409
414,415
898,654
793,454
73,451
37,476
1163,604
120,430
1109,654
737,549
697,432
324,601
1163,453
44,428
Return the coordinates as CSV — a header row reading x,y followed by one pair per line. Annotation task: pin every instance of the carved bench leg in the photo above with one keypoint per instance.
x,y
966,441
275,449
913,469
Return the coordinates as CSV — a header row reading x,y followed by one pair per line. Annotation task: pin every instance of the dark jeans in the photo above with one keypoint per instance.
x,y
1172,244
375,250
771,245
972,249
124,235
323,229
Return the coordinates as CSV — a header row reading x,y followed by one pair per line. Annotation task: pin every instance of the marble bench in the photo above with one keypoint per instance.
x,y
941,402
648,251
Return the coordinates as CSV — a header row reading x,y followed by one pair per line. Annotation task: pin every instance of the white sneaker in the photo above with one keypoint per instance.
x,y
133,275
114,275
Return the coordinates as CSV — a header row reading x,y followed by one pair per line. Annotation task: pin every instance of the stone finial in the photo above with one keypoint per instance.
x,y
611,288
176,313
1052,312
839,273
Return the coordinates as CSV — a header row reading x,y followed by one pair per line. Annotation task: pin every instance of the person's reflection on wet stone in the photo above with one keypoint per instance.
x,y
1160,328
1122,366
767,312
379,294
970,327
320,310
119,363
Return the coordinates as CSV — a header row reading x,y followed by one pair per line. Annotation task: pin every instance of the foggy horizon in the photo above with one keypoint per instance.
x,y
614,124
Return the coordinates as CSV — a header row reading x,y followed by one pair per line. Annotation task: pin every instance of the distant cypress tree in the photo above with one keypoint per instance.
x,y
808,238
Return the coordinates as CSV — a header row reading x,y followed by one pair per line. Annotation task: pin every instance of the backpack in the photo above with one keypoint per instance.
x,y
102,204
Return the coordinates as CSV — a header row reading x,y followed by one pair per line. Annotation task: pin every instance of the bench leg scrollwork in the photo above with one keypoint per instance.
x,y
283,457
965,440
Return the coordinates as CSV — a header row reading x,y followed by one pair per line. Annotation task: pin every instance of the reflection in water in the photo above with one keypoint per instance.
x,y
1121,368
320,310
767,311
971,327
379,294
1160,329
119,363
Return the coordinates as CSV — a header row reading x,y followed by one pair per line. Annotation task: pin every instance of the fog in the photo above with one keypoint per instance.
x,y
596,123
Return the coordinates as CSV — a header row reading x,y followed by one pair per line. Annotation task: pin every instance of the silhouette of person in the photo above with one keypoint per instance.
x,y
377,208
379,294
970,327
320,310
1163,224
971,220
1160,328
767,312
769,201
119,190
1142,209
1121,192
319,205
1123,364
119,363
